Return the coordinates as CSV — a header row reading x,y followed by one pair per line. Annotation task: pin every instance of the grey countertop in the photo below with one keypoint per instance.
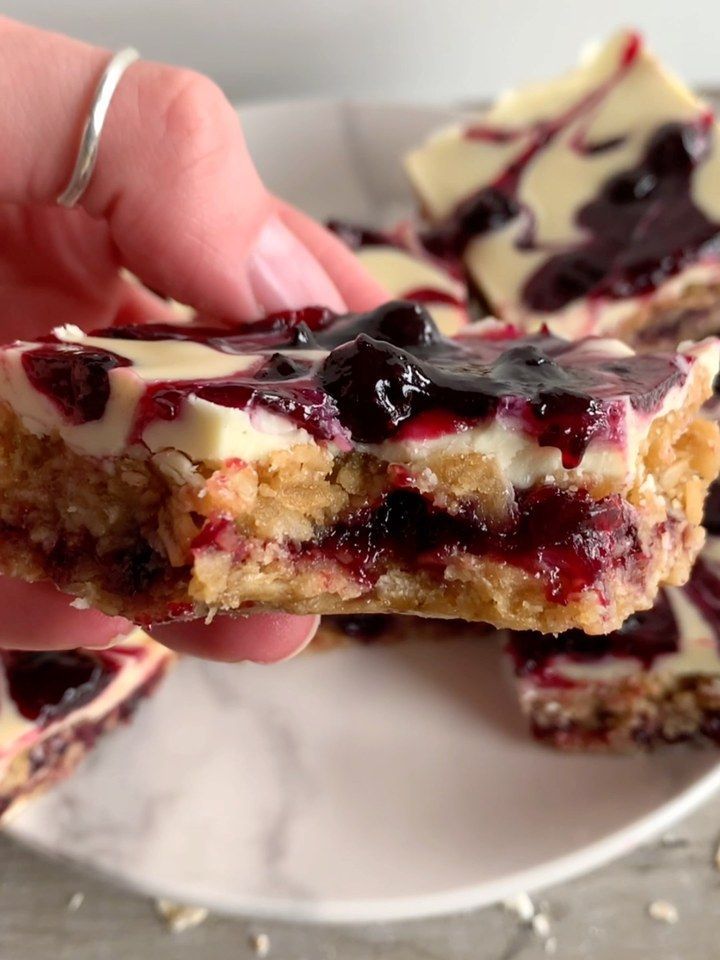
x,y
603,916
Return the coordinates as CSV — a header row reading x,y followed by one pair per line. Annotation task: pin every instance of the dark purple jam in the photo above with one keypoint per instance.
x,y
711,520
364,627
356,236
642,228
47,686
377,387
386,370
644,636
565,538
74,377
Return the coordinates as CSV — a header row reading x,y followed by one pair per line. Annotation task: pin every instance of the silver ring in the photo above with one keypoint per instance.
x,y
90,140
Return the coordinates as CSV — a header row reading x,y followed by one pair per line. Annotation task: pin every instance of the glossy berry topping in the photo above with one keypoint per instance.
x,y
487,210
378,387
642,228
370,377
46,686
74,378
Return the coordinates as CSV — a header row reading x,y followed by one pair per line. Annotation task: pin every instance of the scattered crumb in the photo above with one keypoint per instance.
x,y
79,604
260,942
75,902
179,918
717,858
533,917
663,911
541,926
522,905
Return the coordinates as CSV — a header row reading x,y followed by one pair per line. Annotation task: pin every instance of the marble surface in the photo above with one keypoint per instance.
x,y
604,916
361,783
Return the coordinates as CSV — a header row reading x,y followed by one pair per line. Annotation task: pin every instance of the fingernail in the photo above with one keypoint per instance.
x,y
284,275
312,630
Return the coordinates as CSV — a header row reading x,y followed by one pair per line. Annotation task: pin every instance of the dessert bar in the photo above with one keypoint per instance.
x,y
362,463
54,705
591,202
654,681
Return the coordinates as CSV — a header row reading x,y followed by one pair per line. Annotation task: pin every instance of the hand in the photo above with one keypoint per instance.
x,y
176,200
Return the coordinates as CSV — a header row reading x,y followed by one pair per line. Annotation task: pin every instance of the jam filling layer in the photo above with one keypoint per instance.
x,y
365,378
564,538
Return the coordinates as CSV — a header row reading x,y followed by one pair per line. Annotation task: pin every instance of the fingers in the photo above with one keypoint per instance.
x,y
174,179
36,616
186,209
354,284
262,638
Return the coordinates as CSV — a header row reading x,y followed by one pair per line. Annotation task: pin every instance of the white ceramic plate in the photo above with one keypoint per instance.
x,y
369,782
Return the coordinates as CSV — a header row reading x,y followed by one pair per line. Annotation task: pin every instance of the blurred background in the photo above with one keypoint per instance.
x,y
420,49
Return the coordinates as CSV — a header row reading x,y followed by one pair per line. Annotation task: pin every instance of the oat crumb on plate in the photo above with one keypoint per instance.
x,y
179,917
663,911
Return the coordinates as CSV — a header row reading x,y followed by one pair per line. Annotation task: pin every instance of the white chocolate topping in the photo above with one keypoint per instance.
x,y
606,100
401,273
204,430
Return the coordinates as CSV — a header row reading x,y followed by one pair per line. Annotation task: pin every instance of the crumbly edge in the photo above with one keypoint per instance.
x,y
74,518
664,323
32,773
625,716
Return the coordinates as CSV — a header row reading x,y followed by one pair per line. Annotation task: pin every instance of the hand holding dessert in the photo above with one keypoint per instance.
x,y
175,200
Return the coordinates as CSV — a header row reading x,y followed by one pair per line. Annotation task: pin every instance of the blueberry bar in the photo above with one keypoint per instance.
x,y
55,705
590,202
316,463
656,680
398,260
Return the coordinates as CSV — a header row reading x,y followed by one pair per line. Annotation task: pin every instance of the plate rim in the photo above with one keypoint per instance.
x,y
562,869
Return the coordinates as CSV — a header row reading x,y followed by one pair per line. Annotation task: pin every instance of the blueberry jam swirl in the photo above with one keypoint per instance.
x,y
369,378
641,228
47,686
